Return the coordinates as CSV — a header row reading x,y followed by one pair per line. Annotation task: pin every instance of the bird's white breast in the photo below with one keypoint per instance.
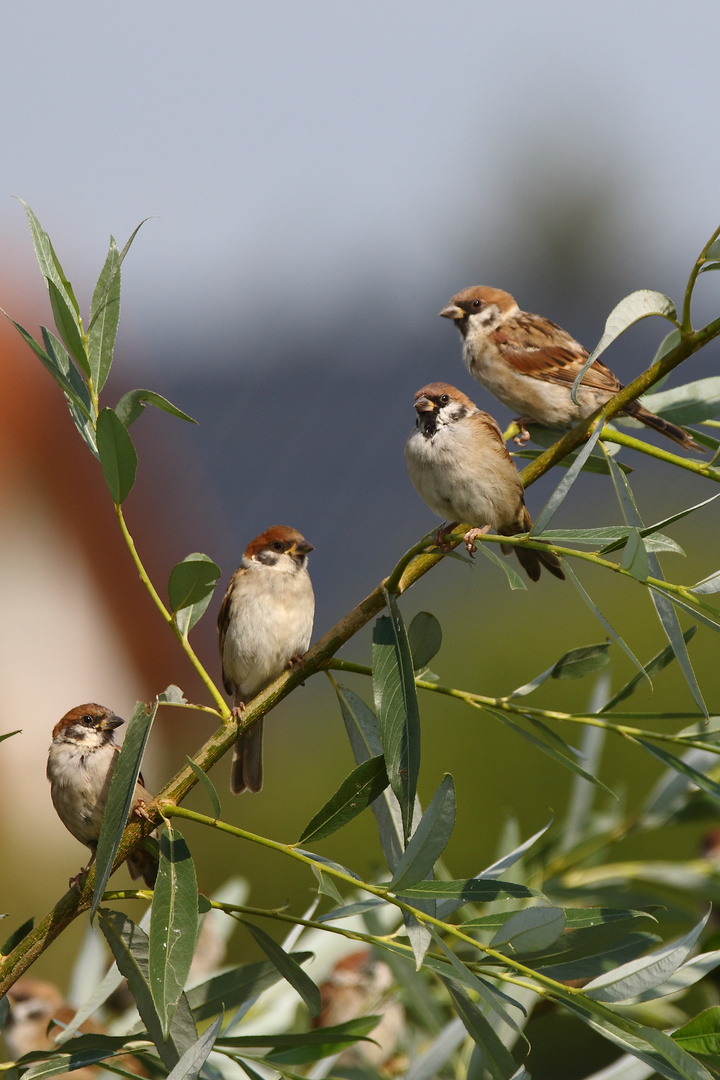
x,y
458,481
270,620
79,784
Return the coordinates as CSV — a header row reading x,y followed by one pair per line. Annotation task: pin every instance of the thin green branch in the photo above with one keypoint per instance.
x,y
686,320
505,704
556,988
192,706
223,708
699,467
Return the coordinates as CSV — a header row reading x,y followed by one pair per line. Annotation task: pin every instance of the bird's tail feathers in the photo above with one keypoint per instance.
x,y
143,862
665,427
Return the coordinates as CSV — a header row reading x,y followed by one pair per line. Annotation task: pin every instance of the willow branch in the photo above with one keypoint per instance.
x,y
506,704
414,565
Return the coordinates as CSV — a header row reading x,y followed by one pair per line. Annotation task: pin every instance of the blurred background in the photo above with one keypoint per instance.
x,y
320,178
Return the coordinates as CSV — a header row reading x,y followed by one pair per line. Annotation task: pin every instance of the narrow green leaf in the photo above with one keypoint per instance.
x,y
172,695
173,925
558,496
635,557
233,988
570,574
429,839
336,1035
469,890
68,327
575,918
592,956
498,1060
121,795
656,665
22,931
132,405
349,910
638,305
356,792
665,611
592,464
288,968
85,427
701,1035
645,1043
688,404
397,710
82,1052
364,735
329,863
196,1055
75,386
326,885
687,975
9,734
514,579
494,999
681,766
105,283
425,639
551,751
207,783
649,531
696,614
531,930
104,318
117,455
190,588
48,261
129,946
649,971
708,585
578,663
55,359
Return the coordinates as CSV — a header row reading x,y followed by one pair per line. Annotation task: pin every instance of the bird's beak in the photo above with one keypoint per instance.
x,y
452,311
110,723
301,548
423,404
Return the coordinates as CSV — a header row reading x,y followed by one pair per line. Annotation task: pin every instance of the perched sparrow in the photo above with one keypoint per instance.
x,y
80,765
530,364
265,624
35,1006
358,985
459,466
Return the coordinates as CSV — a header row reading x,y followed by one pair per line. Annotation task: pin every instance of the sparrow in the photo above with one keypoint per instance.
x,y
36,1017
531,363
265,623
460,467
81,761
360,984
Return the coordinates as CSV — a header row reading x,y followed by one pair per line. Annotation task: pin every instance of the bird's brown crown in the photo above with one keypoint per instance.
x,y
435,390
98,713
486,294
278,538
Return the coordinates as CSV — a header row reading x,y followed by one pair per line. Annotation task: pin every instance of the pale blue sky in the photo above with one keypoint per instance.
x,y
293,152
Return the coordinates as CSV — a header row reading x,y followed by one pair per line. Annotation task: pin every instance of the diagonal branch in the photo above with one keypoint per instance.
x,y
414,565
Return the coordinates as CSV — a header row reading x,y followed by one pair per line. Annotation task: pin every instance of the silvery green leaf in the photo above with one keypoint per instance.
x,y
629,980
638,305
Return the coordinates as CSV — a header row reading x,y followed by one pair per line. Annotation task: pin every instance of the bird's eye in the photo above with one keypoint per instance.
x,y
477,303
278,545
444,398
86,720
